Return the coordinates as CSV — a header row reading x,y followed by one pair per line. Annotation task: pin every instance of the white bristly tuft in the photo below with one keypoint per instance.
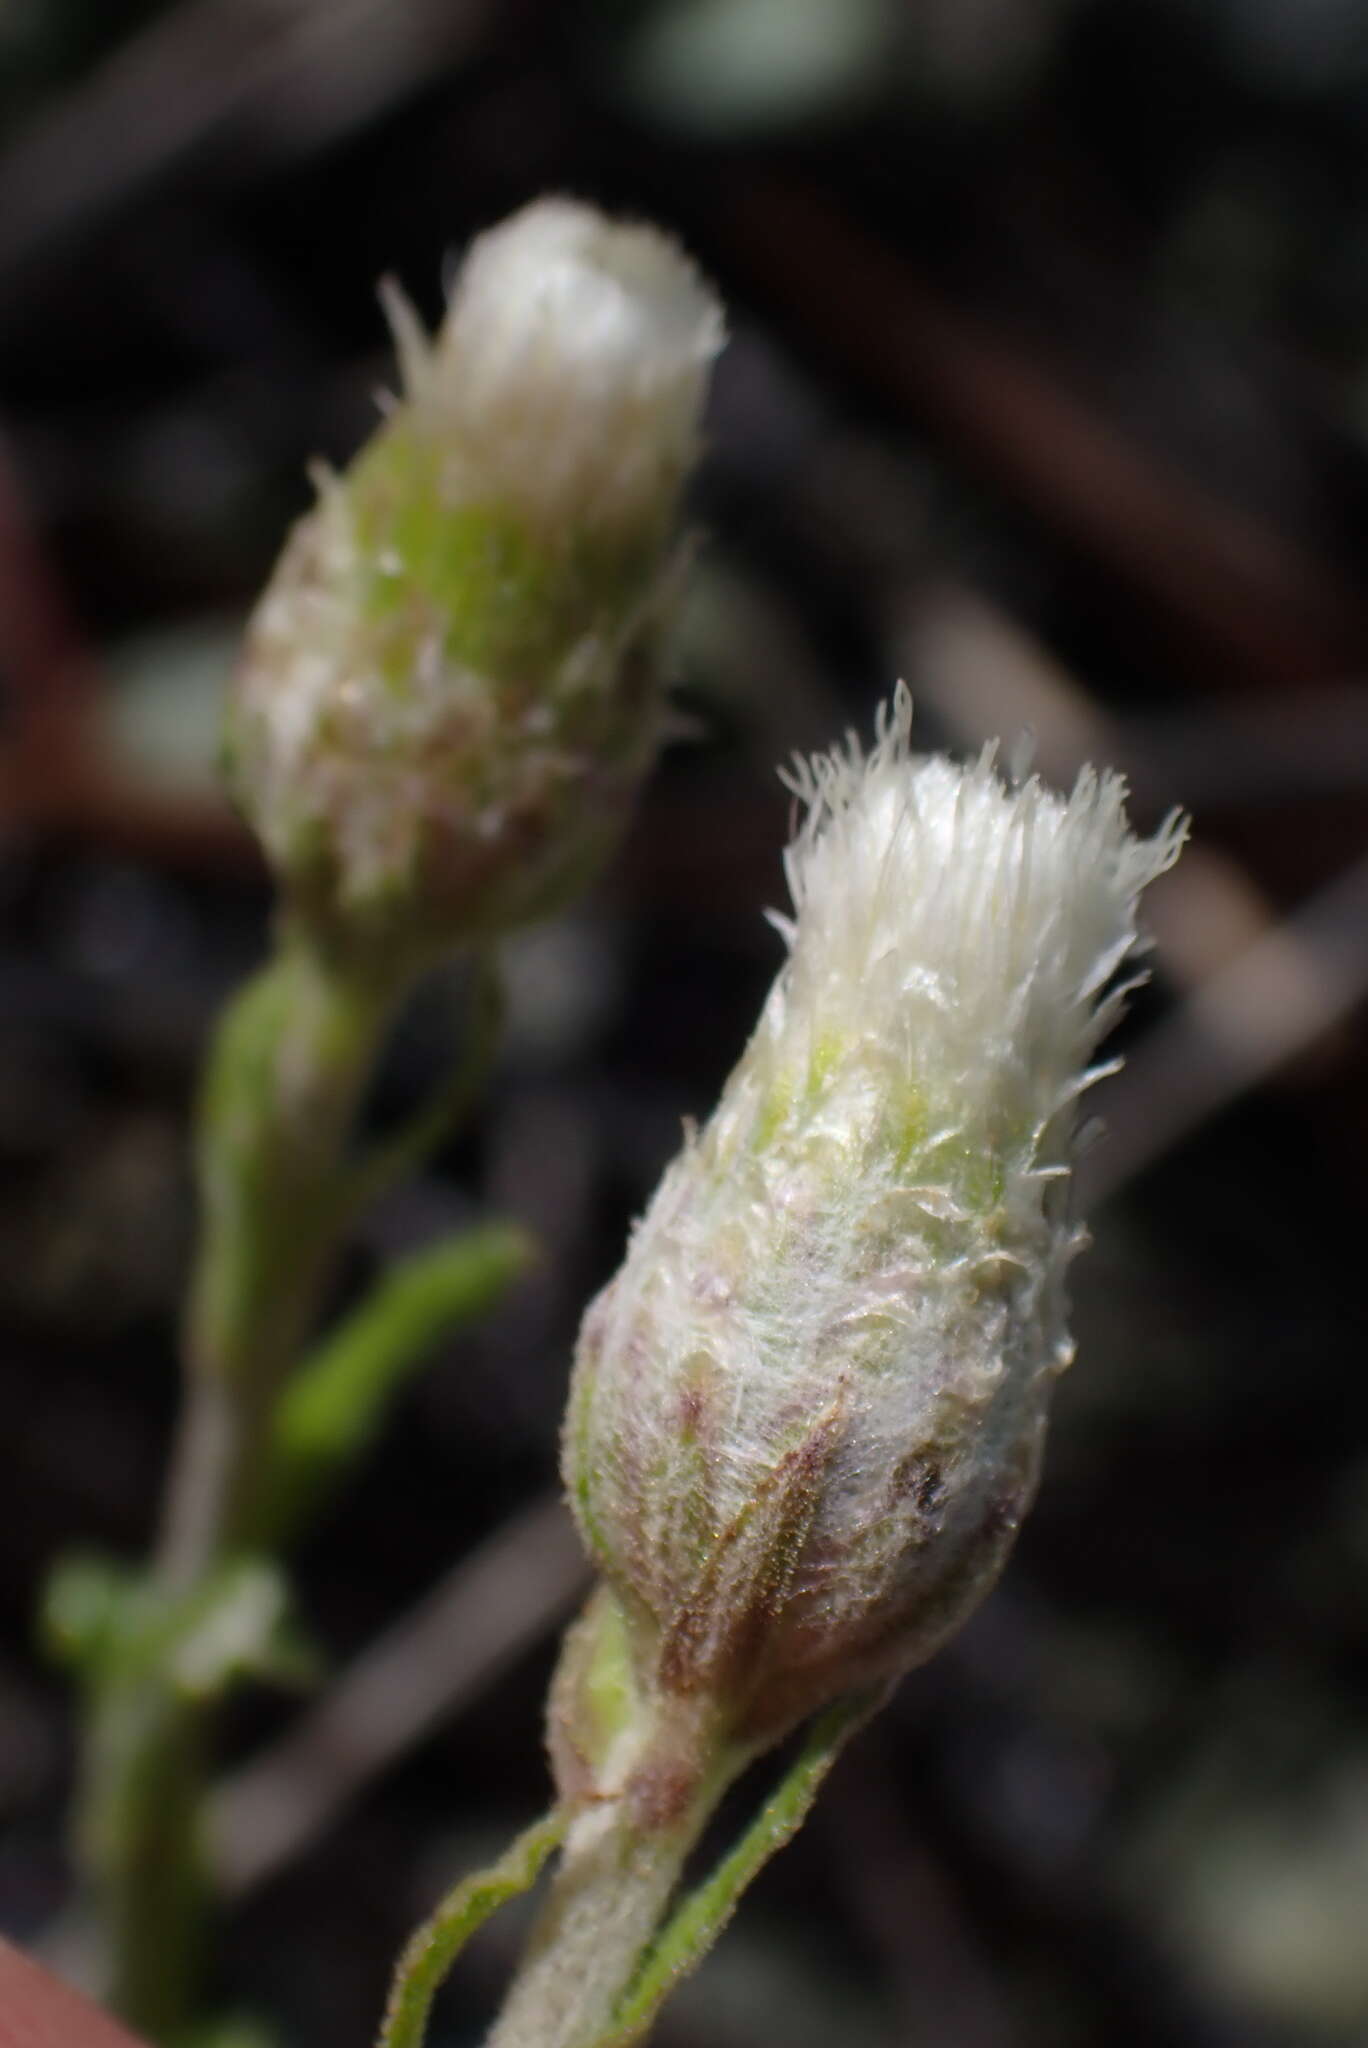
x,y
571,367
967,926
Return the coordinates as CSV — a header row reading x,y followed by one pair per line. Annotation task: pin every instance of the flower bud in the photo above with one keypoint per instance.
x,y
449,691
807,1413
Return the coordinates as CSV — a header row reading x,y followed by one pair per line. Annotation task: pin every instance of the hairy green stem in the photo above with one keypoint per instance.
x,y
693,1929
658,1784
136,1838
285,1076
284,1080
604,1956
607,1899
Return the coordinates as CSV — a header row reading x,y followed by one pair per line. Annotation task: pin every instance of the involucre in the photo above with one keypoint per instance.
x,y
807,1414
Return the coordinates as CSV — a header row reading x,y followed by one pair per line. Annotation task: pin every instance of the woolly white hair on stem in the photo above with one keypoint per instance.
x,y
807,1413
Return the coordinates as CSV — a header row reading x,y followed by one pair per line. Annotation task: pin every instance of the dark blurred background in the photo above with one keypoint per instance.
x,y
1047,389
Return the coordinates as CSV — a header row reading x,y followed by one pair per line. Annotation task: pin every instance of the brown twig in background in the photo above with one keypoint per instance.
x,y
1257,990
54,770
1306,975
281,76
49,671
1239,598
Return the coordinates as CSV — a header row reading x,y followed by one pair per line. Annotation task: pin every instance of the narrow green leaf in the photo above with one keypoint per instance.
x,y
334,1404
695,1926
434,1948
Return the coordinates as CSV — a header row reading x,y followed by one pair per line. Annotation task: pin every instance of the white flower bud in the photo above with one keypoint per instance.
x,y
807,1413
449,691
570,369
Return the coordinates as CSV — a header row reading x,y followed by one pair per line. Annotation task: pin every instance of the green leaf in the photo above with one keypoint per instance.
x,y
694,1928
111,1623
437,1943
336,1402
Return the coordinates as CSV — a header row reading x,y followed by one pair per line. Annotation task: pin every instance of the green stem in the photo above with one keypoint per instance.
x,y
607,1899
284,1080
692,1930
598,1968
658,1781
143,1767
285,1076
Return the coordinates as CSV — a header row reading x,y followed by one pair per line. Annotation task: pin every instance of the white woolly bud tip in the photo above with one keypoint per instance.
x,y
573,362
972,926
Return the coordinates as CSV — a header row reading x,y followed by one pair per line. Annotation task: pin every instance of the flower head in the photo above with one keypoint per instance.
x,y
449,692
807,1413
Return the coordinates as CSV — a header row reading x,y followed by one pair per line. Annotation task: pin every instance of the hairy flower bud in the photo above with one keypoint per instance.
x,y
449,692
807,1413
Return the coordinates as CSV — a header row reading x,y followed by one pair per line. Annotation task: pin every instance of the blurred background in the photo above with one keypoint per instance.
x,y
1047,389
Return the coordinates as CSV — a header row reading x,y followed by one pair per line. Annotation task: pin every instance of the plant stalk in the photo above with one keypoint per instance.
x,y
607,1899
605,1955
289,1064
623,1857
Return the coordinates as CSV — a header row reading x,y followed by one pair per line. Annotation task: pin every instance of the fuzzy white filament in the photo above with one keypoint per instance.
x,y
967,930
